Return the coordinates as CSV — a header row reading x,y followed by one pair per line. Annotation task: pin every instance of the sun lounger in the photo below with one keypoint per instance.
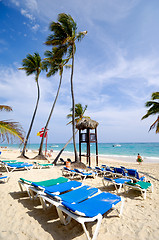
x,y
76,195
117,182
90,210
141,186
3,162
56,189
105,170
10,167
43,165
100,171
4,178
8,161
84,174
119,172
133,174
23,183
68,172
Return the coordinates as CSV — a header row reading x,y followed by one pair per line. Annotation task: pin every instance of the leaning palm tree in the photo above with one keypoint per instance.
x,y
32,64
153,106
79,115
64,37
10,130
52,65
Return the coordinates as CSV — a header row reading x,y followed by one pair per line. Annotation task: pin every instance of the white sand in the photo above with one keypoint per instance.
x,y
21,218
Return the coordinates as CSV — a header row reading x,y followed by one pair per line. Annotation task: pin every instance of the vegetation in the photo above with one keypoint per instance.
x,y
10,130
79,115
32,64
153,106
54,65
63,38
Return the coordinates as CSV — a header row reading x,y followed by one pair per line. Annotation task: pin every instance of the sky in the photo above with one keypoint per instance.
x,y
116,66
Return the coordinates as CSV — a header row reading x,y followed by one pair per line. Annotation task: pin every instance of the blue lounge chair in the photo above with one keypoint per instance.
x,y
84,174
100,171
56,189
76,195
120,172
4,178
73,196
106,170
117,182
68,172
10,167
90,210
133,174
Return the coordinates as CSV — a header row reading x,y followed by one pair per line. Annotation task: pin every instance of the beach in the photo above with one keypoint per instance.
x,y
22,218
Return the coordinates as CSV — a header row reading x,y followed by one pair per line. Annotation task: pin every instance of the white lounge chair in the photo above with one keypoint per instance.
x,y
90,210
141,186
117,182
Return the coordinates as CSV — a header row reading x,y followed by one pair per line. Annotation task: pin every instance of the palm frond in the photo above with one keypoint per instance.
x,y
155,95
32,64
155,124
5,108
150,103
81,35
11,130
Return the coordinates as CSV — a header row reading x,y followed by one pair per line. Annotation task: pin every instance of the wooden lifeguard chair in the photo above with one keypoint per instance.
x,y
87,135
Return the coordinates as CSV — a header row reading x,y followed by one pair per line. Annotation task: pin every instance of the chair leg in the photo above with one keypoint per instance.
x,y
118,190
144,194
64,220
20,185
99,220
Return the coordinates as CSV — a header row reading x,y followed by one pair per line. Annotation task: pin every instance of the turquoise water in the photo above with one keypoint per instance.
x,y
106,149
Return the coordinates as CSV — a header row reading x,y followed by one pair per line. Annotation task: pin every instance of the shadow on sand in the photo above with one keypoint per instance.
x,y
49,219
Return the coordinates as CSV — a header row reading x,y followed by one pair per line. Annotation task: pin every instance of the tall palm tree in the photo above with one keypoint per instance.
x,y
54,65
79,115
64,37
10,130
153,106
32,64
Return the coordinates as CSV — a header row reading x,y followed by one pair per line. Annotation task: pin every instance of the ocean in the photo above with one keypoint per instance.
x,y
129,150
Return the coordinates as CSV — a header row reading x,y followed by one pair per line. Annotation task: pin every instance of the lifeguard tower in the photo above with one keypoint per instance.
x,y
87,135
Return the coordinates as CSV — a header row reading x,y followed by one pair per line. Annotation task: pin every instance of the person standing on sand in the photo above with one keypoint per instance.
x,y
139,159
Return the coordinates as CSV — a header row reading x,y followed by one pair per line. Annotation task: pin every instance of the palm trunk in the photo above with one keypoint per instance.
x,y
61,151
40,154
73,108
32,121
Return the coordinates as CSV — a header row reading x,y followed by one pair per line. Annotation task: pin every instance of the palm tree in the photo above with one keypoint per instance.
x,y
153,106
9,129
79,115
32,64
54,65
64,37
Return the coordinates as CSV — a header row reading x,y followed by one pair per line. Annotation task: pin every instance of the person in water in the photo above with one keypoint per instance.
x,y
139,159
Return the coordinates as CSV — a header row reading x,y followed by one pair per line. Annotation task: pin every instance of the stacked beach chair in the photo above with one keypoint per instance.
x,y
73,199
128,179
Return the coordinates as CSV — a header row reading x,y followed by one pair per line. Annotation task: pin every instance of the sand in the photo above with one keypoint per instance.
x,y
21,218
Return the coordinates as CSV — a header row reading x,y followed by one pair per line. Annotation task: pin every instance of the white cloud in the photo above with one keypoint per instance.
x,y
35,27
32,5
15,2
27,15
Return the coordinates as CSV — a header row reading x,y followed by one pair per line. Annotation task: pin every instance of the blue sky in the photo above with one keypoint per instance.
x,y
116,65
